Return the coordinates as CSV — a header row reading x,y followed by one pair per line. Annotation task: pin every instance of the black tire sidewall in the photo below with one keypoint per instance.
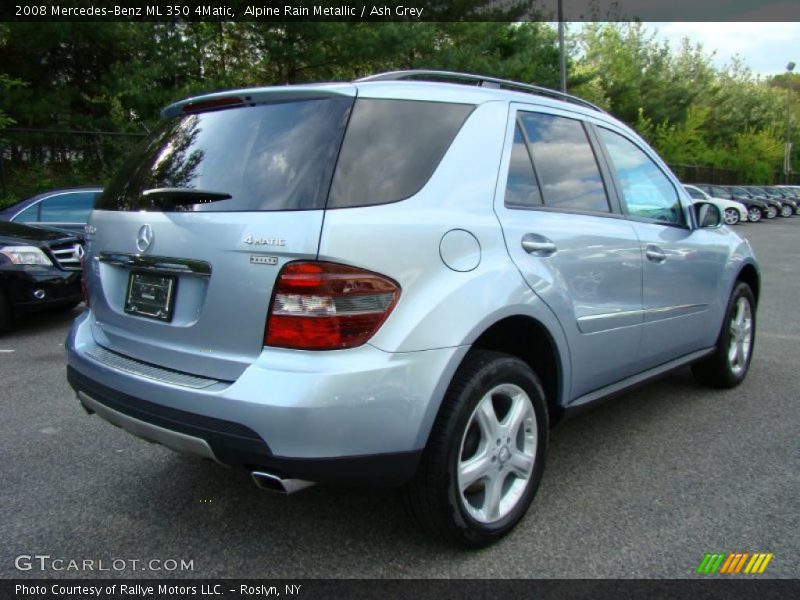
x,y
500,370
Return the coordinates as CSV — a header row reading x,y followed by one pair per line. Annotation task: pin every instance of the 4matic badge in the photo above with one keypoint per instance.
x,y
251,240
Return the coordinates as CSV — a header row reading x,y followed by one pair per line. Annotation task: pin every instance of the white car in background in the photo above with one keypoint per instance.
x,y
732,212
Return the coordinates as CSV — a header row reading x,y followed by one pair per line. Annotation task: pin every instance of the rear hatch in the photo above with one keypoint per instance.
x,y
186,243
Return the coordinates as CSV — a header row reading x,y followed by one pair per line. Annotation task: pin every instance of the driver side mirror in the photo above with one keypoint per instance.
x,y
708,215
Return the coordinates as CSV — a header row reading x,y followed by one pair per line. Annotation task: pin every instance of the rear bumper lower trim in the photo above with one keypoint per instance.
x,y
179,442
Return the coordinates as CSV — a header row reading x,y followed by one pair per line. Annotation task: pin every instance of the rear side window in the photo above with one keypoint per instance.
x,y
269,157
697,195
29,215
522,189
391,149
68,208
647,192
719,192
739,193
565,163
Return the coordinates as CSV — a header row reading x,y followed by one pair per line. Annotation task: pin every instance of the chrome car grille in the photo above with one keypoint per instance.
x,y
68,256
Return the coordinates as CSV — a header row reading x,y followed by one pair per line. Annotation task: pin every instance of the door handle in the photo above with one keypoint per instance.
x,y
655,254
538,245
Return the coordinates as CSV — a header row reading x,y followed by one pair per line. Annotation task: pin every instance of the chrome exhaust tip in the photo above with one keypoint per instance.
x,y
273,483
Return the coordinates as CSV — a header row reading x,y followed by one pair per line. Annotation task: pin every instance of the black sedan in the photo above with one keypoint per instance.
x,y
39,269
756,209
67,209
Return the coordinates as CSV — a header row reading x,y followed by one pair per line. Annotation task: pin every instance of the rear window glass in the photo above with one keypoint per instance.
x,y
74,207
391,149
267,157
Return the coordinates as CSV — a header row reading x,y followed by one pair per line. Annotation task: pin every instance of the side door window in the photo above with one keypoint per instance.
x,y
68,208
29,215
695,194
565,163
718,192
645,189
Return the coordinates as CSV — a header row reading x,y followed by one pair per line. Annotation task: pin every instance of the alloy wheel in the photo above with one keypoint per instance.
x,y
731,216
741,328
497,453
754,214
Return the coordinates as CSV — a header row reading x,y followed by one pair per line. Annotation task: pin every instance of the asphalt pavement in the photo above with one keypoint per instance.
x,y
642,486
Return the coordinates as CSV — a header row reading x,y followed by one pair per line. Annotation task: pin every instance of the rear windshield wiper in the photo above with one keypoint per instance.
x,y
183,196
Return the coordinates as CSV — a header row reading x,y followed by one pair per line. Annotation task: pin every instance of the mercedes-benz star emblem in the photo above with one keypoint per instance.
x,y
145,238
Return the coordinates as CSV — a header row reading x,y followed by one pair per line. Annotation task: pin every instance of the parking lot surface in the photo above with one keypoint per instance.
x,y
642,486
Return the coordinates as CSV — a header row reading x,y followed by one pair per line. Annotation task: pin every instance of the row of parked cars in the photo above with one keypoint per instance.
x,y
739,203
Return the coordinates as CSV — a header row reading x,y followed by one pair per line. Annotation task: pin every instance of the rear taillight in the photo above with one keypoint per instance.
x,y
327,306
84,289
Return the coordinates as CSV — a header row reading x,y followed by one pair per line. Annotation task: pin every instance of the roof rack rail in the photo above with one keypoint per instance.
x,y
480,80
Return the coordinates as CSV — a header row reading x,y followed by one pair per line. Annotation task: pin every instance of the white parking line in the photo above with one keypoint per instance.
x,y
3,351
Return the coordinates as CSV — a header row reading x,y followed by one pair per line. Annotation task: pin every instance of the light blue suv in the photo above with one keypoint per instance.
x,y
407,279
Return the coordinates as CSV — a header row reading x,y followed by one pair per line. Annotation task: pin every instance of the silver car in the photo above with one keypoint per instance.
x,y
403,280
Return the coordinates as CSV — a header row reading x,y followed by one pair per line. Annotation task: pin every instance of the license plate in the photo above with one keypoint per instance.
x,y
151,295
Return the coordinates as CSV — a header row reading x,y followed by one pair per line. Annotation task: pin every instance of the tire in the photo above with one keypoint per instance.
x,y
786,211
730,216
728,365
485,454
754,214
6,314
772,212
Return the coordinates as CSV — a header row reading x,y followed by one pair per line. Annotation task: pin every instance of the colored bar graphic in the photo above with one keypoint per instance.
x,y
764,564
710,564
734,563
740,564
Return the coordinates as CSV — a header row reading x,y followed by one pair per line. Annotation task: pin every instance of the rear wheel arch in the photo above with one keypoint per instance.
x,y
529,340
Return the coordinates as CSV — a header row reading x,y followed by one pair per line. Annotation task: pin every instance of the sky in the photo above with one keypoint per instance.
x,y
765,47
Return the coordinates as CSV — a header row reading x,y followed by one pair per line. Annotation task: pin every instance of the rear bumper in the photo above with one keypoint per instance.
x,y
232,444
359,416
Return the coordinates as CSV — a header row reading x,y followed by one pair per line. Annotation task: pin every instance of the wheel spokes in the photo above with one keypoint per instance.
x,y
474,469
515,417
520,464
487,419
492,497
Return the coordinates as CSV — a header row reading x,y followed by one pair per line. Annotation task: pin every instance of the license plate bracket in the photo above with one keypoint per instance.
x,y
151,295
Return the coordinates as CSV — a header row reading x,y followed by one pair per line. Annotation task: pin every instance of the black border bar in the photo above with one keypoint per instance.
x,y
267,11
437,589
